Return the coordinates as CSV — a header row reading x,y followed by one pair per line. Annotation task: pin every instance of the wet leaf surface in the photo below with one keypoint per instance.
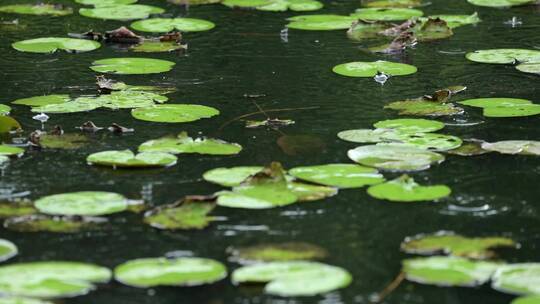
x,y
405,189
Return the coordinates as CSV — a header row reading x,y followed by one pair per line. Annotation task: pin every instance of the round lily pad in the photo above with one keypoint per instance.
x,y
276,5
105,2
523,147
410,125
500,3
126,159
258,196
149,46
121,12
230,177
163,25
395,157
184,215
8,124
52,44
151,272
81,104
320,22
10,150
308,192
185,144
527,300
16,208
405,189
4,109
448,271
454,21
494,102
338,175
532,68
55,224
517,279
17,300
51,279
38,101
504,107
504,56
82,203
424,108
132,65
294,278
370,69
277,252
246,3
173,113
386,14
368,135
7,250
36,9
392,3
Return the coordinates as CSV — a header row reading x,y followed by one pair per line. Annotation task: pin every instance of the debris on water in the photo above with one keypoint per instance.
x,y
381,78
246,95
284,35
514,22
42,117
89,126
116,128
57,130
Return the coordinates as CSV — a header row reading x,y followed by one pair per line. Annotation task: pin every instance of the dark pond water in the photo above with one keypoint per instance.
x,y
492,194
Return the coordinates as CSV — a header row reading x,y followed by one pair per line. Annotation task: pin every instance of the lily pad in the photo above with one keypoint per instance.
x,y
494,102
500,3
294,278
158,46
246,3
18,300
469,148
370,69
522,147
53,44
36,9
532,68
4,109
308,192
38,101
360,30
151,272
521,279
424,108
55,224
368,135
188,213
132,65
410,125
277,252
527,300
392,3
11,150
67,141
126,159
504,56
129,99
454,21
338,175
276,5
81,104
8,124
163,25
185,144
321,22
504,107
16,208
105,2
395,157
82,203
455,245
405,189
432,29
386,14
230,177
121,12
7,250
448,271
174,113
51,279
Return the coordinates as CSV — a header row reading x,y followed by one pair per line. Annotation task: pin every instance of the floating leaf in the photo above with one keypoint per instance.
x,y
64,141
533,68
8,124
522,147
321,22
4,109
504,56
307,192
500,3
126,159
188,213
424,108
230,177
56,224
469,148
121,12
495,102
364,29
194,2
410,125
51,279
277,252
427,141
38,101
37,9
185,144
7,250
17,300
82,203
158,46
151,272
448,271
455,245
454,21
174,113
10,150
527,300
370,69
16,208
128,99
338,175
393,3
105,2
294,278
164,25
246,3
276,5
405,189
81,104
132,65
386,14
53,44
504,107
521,279
395,157
433,29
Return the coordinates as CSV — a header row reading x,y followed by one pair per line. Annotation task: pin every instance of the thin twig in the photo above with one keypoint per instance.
x,y
389,289
265,111
261,109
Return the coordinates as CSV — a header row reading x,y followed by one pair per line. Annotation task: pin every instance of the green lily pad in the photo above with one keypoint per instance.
x,y
105,2
521,279
7,250
448,271
53,44
500,3
368,135
10,150
532,68
405,189
360,30
522,147
129,99
395,157
494,102
174,113
38,101
410,125
504,56
55,224
455,245
426,141
82,203
308,193
163,25
386,14
185,144
230,177
338,175
158,46
126,159
370,69
151,272
37,9
51,279
454,21
121,12
18,300
527,300
132,65
66,141
16,208
393,3
245,3
424,108
321,22
4,109
432,29
188,213
9,124
469,148
294,278
504,107
277,252
81,104
276,5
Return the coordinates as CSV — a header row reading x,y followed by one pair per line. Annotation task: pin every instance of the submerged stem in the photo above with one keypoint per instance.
x,y
263,112
389,289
